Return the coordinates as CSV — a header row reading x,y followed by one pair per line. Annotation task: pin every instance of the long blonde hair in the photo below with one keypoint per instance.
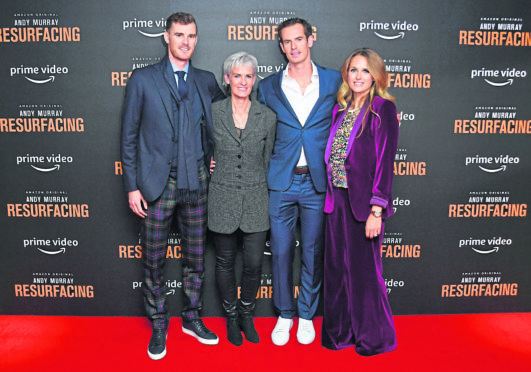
x,y
377,70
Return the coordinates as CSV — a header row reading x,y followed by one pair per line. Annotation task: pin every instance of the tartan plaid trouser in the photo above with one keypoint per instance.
x,y
191,221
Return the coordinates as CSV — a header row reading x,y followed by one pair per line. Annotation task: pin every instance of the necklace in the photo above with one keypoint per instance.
x,y
240,118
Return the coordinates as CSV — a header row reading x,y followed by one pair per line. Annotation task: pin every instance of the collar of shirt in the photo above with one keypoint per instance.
x,y
315,73
185,69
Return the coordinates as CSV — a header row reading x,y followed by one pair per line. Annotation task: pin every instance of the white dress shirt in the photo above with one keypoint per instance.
x,y
302,103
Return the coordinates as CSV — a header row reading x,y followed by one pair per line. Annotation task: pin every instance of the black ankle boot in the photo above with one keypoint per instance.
x,y
234,333
246,321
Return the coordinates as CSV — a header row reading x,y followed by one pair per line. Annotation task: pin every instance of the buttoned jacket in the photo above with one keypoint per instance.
x,y
238,195
148,124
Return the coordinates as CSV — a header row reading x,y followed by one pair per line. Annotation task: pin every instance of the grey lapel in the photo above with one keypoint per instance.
x,y
227,121
253,119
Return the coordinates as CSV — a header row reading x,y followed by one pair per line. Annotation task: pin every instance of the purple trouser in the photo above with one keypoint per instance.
x,y
356,309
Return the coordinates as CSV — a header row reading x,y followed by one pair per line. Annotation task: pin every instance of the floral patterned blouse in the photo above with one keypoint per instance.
x,y
339,149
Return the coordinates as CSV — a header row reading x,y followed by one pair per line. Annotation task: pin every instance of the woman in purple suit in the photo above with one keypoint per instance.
x,y
360,155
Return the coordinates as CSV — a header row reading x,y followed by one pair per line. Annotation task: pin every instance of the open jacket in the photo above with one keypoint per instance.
x,y
292,135
369,162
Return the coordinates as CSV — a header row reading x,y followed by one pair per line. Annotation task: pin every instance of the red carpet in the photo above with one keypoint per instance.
x,y
484,342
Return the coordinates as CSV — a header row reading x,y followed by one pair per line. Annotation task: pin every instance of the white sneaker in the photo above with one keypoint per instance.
x,y
305,332
280,335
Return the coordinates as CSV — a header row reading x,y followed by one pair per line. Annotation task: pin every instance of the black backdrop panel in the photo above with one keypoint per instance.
x,y
459,241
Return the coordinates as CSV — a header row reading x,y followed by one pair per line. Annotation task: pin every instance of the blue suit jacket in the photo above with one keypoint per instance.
x,y
148,121
292,136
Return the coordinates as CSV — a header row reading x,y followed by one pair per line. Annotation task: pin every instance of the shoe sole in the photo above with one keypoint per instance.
x,y
200,339
305,342
280,344
157,356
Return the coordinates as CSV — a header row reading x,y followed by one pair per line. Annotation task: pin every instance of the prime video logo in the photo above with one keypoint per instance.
x,y
49,70
489,76
141,24
492,164
44,163
397,30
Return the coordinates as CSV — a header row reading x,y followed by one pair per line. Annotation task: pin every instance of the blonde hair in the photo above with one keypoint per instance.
x,y
376,68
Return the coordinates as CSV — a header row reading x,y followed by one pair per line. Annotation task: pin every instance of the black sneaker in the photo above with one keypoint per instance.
x,y
196,328
157,344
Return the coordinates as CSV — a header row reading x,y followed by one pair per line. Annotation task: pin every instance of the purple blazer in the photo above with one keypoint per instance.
x,y
370,160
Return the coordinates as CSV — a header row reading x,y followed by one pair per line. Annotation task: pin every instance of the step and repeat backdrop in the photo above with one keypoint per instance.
x,y
459,241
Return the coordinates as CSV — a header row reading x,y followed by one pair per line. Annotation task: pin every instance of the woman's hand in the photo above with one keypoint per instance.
x,y
212,165
373,226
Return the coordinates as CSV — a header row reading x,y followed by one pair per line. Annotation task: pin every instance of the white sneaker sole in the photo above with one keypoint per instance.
x,y
157,356
305,341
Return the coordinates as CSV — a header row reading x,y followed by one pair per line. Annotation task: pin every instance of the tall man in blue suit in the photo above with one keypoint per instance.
x,y
303,96
166,145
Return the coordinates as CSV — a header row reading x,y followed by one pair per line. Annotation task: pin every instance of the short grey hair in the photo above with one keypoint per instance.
x,y
239,58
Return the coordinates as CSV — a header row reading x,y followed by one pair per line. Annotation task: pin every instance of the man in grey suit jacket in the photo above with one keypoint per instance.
x,y
166,150
302,96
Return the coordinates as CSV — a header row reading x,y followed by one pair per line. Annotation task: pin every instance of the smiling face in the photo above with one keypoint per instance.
x,y
181,40
359,78
295,44
241,80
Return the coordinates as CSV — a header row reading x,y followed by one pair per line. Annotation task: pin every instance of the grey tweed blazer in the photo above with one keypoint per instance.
x,y
238,196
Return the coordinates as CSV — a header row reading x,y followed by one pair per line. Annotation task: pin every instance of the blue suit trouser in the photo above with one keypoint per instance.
x,y
285,208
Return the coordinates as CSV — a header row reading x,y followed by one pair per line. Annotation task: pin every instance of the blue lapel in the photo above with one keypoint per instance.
x,y
323,89
277,88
